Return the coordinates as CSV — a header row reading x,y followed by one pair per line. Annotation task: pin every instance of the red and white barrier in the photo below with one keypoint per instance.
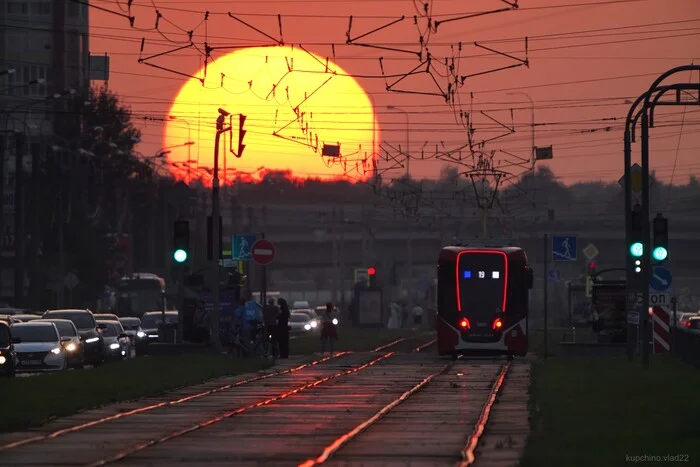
x,y
661,328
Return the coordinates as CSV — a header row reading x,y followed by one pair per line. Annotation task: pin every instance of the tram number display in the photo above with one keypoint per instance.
x,y
481,274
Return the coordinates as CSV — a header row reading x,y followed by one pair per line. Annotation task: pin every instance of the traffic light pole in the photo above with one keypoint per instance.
x,y
216,240
638,283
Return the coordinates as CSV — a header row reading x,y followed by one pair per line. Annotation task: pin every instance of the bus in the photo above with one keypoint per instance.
x,y
138,293
482,301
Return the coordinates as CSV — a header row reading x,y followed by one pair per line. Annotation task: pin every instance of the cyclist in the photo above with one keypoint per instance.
x,y
328,330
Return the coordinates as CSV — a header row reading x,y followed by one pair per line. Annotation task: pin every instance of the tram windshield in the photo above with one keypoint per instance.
x,y
482,281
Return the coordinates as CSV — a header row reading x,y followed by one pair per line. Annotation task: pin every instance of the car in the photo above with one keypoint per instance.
x,y
117,345
131,325
8,356
8,319
301,305
89,331
72,344
39,347
151,321
25,317
302,322
682,319
105,317
693,325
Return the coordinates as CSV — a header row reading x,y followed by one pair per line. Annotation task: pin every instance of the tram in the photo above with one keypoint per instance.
x,y
482,301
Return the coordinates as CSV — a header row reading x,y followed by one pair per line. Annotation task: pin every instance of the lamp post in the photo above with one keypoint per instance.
x,y
408,141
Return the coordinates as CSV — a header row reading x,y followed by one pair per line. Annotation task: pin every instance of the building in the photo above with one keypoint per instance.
x,y
43,71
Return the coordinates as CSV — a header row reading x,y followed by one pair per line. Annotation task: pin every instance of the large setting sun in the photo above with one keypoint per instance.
x,y
294,103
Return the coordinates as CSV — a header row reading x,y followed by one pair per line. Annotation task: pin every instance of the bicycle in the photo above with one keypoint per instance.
x,y
264,345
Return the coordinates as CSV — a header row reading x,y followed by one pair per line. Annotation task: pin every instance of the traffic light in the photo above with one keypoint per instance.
x,y
636,247
659,250
591,268
181,241
241,135
372,273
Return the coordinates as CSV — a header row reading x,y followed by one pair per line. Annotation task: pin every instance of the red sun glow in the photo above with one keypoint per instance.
x,y
294,103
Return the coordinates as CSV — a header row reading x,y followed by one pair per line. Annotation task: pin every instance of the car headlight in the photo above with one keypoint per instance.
x,y
56,351
114,346
314,324
141,334
307,326
335,321
91,340
71,347
2,360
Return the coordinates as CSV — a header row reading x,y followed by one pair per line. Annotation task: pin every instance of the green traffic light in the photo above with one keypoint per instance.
x,y
660,253
180,256
637,249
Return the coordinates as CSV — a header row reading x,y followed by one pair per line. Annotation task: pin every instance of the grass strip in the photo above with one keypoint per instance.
x,y
31,401
608,411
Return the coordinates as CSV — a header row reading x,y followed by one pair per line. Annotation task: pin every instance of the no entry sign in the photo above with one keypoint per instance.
x,y
263,251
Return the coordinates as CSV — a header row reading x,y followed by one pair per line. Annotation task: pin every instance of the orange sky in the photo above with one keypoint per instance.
x,y
578,110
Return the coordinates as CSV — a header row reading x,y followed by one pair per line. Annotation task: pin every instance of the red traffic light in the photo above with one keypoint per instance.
x,y
371,271
591,266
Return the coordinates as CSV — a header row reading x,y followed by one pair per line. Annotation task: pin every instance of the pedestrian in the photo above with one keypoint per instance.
x,y
243,327
417,313
282,334
270,312
329,333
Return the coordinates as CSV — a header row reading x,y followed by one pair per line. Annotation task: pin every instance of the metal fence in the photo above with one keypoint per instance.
x,y
685,345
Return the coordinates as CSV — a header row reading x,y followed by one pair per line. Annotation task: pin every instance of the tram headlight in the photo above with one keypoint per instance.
x,y
464,324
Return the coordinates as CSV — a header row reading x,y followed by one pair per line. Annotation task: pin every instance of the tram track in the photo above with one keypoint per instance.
x,y
152,409
468,452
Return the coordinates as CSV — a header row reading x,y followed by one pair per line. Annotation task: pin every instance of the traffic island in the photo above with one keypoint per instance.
x,y
608,411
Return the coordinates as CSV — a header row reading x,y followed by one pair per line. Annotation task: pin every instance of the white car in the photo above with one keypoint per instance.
x,y
38,347
302,322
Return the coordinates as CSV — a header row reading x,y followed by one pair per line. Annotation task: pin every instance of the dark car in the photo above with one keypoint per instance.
x,y
90,332
8,357
70,340
151,323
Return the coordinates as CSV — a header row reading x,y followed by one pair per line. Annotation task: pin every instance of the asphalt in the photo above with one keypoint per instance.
x,y
394,406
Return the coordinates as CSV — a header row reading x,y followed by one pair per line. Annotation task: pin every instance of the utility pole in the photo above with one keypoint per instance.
x,y
216,240
19,219
3,142
342,258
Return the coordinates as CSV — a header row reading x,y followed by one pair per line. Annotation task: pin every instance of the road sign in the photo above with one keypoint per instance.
x,y
554,275
633,317
263,251
241,246
659,299
661,326
564,248
660,279
636,176
590,252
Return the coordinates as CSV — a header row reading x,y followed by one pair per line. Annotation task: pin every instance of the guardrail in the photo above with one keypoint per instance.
x,y
685,345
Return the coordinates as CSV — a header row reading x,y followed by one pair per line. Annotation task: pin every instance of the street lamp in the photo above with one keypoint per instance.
x,y
532,107
408,132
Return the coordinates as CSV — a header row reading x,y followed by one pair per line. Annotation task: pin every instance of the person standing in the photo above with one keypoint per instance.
x,y
270,312
417,313
329,333
282,334
596,324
